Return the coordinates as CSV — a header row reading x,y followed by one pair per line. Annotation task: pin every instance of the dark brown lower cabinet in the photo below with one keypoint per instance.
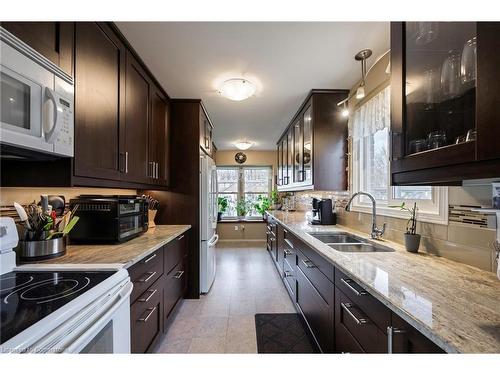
x,y
342,316
175,288
406,339
351,320
160,282
146,318
315,299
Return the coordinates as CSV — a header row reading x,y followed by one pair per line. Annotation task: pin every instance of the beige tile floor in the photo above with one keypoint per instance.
x,y
223,320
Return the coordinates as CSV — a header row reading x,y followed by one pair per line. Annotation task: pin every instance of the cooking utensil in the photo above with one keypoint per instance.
x,y
58,204
44,202
22,215
66,229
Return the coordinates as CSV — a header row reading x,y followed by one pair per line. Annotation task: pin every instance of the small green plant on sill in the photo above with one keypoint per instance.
x,y
263,204
222,204
242,208
411,224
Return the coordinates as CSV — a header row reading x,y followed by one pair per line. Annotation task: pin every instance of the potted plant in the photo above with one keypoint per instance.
x,y
222,207
275,200
412,239
241,208
263,204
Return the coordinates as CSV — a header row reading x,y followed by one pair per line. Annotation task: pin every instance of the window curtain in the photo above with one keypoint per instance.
x,y
372,116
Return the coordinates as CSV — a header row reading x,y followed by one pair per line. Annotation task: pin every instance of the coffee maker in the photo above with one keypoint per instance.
x,y
323,212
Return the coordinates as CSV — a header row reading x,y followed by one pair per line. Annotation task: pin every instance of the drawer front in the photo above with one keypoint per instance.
x,y
175,287
317,312
289,253
349,317
407,339
319,262
272,226
175,251
146,318
145,273
316,277
289,280
373,308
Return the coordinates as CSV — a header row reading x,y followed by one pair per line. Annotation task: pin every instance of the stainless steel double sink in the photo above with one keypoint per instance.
x,y
348,243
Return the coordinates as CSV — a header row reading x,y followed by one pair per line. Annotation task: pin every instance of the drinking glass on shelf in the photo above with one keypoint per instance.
x,y
471,135
450,75
426,32
468,62
418,145
431,87
437,139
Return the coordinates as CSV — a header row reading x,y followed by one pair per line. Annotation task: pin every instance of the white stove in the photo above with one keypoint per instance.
x,y
61,309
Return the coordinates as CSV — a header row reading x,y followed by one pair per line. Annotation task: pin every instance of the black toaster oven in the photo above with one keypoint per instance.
x,y
107,219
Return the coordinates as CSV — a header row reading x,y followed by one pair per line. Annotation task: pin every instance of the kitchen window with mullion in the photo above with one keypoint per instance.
x,y
248,183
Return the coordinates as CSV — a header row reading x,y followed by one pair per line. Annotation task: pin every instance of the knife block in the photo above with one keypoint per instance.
x,y
151,218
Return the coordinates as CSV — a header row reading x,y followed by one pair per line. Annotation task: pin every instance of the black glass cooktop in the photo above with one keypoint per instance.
x,y
27,297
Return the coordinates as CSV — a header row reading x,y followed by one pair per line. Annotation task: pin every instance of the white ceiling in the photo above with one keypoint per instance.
x,y
285,59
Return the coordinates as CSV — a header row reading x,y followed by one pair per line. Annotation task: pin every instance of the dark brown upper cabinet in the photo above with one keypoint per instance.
x,y
312,152
444,107
158,139
99,96
54,40
137,105
206,134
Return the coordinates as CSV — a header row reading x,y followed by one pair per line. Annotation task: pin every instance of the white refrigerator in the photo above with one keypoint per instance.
x,y
208,222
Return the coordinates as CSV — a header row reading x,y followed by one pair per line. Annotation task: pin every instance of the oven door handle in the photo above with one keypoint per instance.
x,y
52,132
72,345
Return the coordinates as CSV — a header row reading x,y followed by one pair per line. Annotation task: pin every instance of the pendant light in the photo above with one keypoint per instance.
x,y
362,56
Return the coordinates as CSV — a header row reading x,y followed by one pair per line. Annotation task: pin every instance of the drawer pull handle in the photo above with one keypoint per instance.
x,y
178,274
152,293
151,274
268,233
346,307
150,258
289,243
287,252
288,274
348,283
180,238
151,311
308,263
391,331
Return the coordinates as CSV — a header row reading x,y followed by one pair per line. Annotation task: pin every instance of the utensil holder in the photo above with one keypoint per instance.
x,y
151,218
30,251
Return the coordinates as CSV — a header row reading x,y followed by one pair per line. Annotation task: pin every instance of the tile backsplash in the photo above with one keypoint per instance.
x,y
469,243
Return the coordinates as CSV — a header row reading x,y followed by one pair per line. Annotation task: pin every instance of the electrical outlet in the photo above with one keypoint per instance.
x,y
242,227
235,227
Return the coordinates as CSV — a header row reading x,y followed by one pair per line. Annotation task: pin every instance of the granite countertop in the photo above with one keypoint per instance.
x,y
455,305
122,255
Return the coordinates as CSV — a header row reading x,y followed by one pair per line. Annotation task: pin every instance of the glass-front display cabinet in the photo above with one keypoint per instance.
x,y
438,75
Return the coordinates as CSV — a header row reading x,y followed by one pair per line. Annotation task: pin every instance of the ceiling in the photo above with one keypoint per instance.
x,y
284,59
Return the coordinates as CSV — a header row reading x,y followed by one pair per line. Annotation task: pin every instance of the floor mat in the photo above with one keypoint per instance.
x,y
283,333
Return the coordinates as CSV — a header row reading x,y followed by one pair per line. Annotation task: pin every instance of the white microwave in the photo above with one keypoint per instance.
x,y
36,100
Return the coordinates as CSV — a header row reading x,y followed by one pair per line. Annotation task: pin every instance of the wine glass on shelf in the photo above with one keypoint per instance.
x,y
468,62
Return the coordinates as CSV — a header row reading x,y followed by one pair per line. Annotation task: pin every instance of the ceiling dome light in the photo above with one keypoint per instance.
x,y
243,145
237,89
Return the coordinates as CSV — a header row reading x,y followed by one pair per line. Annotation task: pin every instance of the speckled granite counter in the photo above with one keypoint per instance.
x,y
124,254
455,305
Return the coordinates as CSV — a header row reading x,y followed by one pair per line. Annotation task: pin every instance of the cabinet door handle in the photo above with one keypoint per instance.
x,y
151,294
287,252
150,258
391,331
346,307
180,238
289,243
156,170
349,282
126,161
308,263
151,275
145,319
178,274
